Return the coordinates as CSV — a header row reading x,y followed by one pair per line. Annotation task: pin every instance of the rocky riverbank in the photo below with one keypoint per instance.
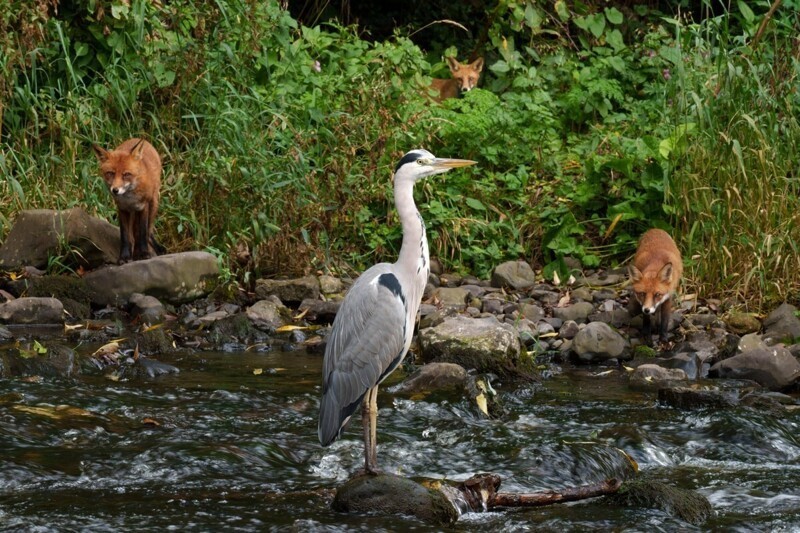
x,y
512,327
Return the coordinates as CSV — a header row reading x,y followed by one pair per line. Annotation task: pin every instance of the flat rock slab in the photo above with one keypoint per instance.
x,y
173,278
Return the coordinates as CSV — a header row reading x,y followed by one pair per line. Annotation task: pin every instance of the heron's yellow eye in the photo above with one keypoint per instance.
x,y
423,161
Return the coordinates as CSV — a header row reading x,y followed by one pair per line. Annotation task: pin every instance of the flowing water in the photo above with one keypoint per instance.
x,y
230,444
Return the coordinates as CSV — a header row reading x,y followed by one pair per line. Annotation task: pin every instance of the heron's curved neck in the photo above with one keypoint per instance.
x,y
414,256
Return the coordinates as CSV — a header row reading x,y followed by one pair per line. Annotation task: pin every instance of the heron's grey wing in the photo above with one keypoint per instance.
x,y
367,342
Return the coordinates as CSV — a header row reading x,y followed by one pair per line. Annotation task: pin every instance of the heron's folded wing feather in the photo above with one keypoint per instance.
x,y
367,339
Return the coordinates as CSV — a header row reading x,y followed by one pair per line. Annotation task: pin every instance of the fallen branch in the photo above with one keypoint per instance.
x,y
548,497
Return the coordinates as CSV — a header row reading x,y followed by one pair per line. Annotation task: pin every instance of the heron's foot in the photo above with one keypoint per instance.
x,y
366,472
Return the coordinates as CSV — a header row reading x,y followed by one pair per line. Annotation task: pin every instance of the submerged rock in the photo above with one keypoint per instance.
x,y
433,377
687,505
387,494
48,360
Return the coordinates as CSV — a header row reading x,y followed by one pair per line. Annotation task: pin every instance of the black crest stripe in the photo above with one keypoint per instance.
x,y
408,158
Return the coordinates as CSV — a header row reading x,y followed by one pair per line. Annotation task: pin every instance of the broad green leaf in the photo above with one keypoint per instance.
x,y
614,15
746,12
475,204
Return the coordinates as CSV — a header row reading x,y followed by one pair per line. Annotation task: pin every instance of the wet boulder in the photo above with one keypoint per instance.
x,y
392,495
433,377
687,505
46,360
79,239
599,342
173,278
782,325
289,290
652,377
32,311
483,344
698,397
774,368
513,274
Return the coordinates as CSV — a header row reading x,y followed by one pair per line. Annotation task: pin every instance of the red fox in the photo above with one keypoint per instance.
x,y
132,172
465,77
655,274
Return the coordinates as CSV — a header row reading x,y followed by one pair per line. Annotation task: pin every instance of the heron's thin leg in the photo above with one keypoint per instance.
x,y
365,420
373,427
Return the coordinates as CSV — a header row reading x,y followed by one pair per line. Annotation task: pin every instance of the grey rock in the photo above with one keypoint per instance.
x,y
601,295
616,317
514,274
568,329
689,363
330,284
599,342
532,312
267,314
493,306
702,320
774,368
581,294
79,239
148,308
174,278
58,361
578,311
601,279
751,341
289,290
32,311
782,325
455,297
324,312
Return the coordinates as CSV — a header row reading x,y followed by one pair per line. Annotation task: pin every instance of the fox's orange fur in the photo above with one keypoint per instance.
x,y
655,274
465,77
132,172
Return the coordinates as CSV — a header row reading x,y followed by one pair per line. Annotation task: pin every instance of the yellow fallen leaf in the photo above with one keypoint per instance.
x,y
289,327
603,373
151,328
482,405
107,349
301,315
556,279
628,369
68,327
258,371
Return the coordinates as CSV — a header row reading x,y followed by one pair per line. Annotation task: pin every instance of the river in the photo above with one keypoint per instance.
x,y
229,444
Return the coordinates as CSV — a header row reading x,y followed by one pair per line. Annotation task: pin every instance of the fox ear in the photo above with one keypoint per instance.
x,y
454,64
478,64
634,273
102,154
136,151
665,274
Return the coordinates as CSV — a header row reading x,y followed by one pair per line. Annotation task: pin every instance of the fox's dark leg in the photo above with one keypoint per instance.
x,y
647,330
142,237
666,314
124,236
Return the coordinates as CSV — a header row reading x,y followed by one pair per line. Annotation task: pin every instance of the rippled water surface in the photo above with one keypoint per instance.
x,y
221,447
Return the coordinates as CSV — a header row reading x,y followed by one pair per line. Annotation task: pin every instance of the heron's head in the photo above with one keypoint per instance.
x,y
418,164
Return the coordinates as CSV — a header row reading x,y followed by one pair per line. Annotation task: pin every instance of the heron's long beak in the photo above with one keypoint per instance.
x,y
443,163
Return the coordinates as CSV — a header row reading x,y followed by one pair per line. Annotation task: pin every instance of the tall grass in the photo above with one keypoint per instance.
x,y
736,190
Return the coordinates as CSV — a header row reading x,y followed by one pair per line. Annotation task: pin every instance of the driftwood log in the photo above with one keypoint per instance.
x,y
443,504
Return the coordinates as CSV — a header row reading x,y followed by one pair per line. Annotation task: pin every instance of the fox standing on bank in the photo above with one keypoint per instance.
x,y
132,172
655,274
465,78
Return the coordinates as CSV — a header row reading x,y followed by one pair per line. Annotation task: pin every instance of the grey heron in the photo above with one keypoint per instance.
x,y
374,326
